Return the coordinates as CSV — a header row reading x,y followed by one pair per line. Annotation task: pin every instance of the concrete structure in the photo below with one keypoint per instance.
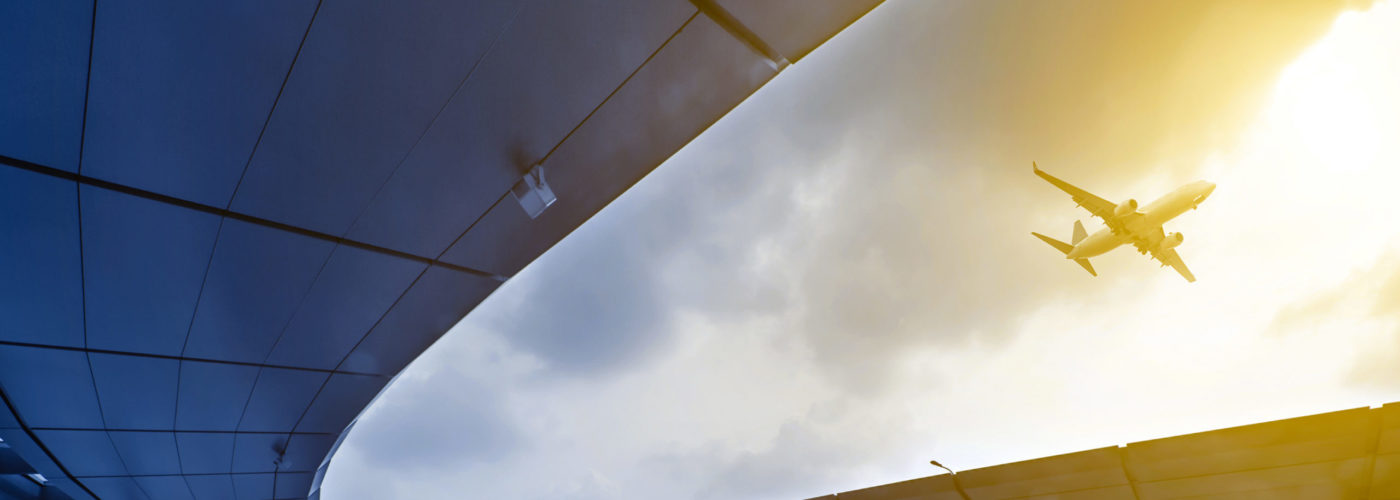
x,y
226,226
1351,454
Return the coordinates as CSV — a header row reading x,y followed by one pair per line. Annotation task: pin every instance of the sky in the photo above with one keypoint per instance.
x,y
836,283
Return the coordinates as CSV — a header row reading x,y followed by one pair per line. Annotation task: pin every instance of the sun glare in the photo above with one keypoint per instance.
x,y
1338,97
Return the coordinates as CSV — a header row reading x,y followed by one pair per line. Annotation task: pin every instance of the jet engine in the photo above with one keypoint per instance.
x,y
1125,208
1172,241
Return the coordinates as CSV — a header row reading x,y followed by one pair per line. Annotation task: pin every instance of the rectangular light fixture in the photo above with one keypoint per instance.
x,y
533,193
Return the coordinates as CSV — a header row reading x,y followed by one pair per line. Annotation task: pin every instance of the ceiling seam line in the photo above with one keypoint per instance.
x,y
619,87
199,297
28,431
87,87
175,423
102,413
181,358
275,101
1252,469
459,237
280,334
198,474
371,328
576,127
300,302
1127,474
519,6
304,411
242,217
1377,424
326,382
87,355
244,413
87,429
741,32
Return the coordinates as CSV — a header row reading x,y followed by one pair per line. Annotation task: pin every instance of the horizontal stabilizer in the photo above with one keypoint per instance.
x,y
1084,263
1059,245
1066,247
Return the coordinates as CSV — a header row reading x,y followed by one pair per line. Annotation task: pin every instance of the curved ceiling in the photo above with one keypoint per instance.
x,y
226,226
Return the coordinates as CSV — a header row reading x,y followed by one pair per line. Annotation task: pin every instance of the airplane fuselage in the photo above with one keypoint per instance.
x,y
1141,227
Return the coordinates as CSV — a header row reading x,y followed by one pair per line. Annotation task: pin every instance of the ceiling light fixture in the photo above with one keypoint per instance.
x,y
533,192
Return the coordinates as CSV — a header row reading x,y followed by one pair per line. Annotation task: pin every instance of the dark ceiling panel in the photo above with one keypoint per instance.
x,y
345,121
115,488
7,416
20,443
1385,477
13,485
50,387
205,452
698,77
511,112
279,399
83,453
68,487
41,292
339,402
1329,436
44,63
253,486
257,277
211,487
257,452
293,484
143,264
305,452
213,395
354,290
795,27
1085,470
147,453
136,392
436,302
181,90
1333,480
165,487
925,488
1389,441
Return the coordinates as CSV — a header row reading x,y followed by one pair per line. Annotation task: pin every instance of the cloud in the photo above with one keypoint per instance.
x,y
443,421
1369,297
593,308
1379,367
827,447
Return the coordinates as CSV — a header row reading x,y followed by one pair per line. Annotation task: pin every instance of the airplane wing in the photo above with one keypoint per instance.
x,y
1100,207
1169,257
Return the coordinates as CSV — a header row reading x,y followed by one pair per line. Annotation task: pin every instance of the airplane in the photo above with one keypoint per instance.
x,y
1127,224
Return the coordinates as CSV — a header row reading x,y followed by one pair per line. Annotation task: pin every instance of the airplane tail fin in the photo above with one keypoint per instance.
x,y
1066,247
1079,233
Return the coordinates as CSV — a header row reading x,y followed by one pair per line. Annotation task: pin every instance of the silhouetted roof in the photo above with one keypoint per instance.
x,y
225,226
1351,454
